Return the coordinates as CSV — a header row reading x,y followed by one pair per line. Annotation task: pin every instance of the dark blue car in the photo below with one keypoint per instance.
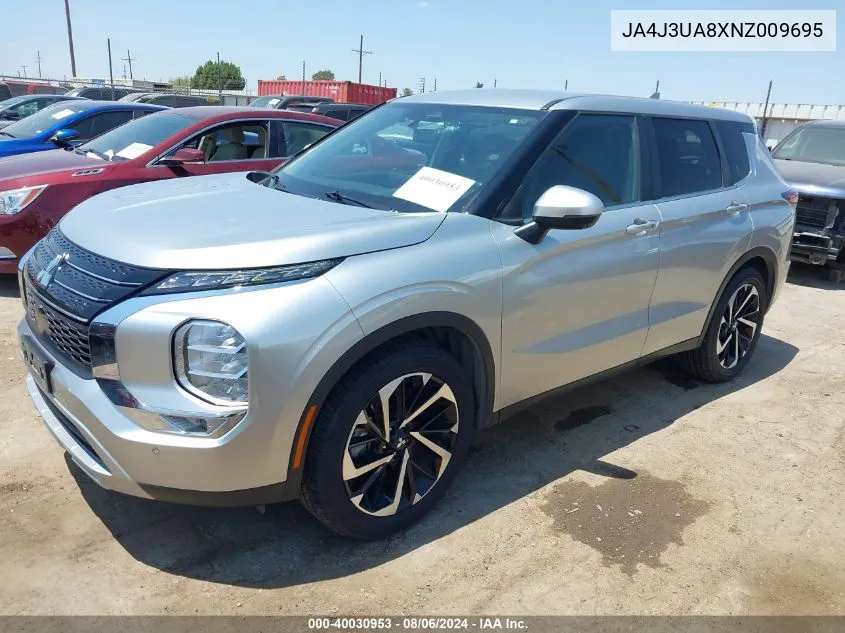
x,y
68,123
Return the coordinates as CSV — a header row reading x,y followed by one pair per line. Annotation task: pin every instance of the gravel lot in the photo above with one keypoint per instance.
x,y
649,493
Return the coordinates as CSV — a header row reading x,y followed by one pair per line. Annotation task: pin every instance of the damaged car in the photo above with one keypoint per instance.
x,y
812,160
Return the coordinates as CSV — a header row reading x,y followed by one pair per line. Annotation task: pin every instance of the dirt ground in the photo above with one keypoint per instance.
x,y
646,494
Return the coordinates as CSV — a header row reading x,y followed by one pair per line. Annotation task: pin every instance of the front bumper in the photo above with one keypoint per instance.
x,y
118,455
289,353
816,248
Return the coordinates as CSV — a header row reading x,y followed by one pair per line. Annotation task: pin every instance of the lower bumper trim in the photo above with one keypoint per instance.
x,y
275,493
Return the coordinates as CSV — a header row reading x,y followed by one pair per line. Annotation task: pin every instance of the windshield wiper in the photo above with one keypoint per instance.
x,y
7,134
83,152
339,197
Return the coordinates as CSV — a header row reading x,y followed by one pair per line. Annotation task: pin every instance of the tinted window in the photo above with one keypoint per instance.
x,y
340,114
595,152
687,157
735,148
96,124
297,136
135,138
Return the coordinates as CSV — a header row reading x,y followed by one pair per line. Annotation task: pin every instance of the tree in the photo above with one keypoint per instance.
x,y
281,78
478,84
228,75
181,82
323,75
407,92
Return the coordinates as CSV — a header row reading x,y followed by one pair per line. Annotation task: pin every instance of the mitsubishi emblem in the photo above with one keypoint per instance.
x,y
45,277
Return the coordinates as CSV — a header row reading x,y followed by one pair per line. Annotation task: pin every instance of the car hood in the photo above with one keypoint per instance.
x,y
46,162
4,123
813,178
225,221
15,146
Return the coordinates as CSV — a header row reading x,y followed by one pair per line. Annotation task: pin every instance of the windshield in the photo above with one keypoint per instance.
x,y
411,157
10,103
45,119
136,137
814,144
265,102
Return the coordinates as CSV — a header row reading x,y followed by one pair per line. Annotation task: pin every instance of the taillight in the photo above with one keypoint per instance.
x,y
791,196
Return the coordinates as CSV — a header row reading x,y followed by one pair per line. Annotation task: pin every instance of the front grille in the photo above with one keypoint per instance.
x,y
815,212
65,286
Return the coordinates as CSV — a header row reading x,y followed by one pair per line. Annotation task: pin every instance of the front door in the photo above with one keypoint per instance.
x,y
576,304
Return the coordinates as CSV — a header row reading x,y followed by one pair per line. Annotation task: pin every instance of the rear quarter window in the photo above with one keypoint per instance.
x,y
687,157
736,151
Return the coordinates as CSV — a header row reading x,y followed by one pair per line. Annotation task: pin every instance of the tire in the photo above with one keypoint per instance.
x,y
348,438
716,360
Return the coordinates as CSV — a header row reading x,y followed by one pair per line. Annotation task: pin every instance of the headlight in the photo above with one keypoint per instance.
x,y
210,361
212,280
16,200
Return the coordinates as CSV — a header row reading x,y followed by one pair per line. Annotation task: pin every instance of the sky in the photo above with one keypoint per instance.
x,y
517,43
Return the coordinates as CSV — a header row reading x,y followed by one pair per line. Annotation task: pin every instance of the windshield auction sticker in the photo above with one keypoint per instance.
x,y
61,114
434,188
133,150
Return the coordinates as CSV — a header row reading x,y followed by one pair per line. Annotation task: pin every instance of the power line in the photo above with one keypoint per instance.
x,y
361,52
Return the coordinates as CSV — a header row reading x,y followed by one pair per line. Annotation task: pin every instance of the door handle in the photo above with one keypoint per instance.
x,y
735,208
641,226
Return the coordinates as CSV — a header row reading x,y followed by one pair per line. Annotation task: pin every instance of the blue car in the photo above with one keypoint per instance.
x,y
67,124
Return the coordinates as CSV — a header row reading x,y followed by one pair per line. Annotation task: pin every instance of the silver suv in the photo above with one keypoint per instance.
x,y
338,330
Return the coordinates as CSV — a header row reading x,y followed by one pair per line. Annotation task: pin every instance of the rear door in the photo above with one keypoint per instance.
x,y
706,226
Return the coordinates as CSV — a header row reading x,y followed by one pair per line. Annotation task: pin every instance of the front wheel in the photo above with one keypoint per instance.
x,y
389,441
733,332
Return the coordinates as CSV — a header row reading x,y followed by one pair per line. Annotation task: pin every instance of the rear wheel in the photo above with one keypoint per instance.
x,y
389,441
733,333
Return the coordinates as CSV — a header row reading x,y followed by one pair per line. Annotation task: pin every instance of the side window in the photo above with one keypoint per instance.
x,y
595,152
736,152
687,157
341,115
296,136
234,141
96,124
26,109
137,114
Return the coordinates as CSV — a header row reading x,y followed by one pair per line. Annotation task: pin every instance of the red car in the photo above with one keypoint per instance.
x,y
37,189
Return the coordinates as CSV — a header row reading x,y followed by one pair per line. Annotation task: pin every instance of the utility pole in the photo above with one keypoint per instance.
x,y
219,85
39,63
303,74
765,114
24,70
379,80
435,84
128,58
495,83
566,85
111,76
70,39
422,84
361,52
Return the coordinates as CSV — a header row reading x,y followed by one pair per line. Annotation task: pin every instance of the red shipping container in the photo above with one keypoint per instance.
x,y
340,91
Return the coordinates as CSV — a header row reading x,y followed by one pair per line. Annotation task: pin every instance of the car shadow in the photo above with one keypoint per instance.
x,y
9,286
289,547
813,277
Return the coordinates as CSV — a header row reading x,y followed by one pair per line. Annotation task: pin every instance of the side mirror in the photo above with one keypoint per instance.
x,y
561,207
258,176
65,137
184,156
10,115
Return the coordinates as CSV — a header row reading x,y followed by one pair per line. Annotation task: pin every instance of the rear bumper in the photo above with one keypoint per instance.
x,y
816,248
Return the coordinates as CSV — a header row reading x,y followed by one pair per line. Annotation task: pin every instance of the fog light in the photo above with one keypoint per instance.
x,y
202,426
6,253
210,361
